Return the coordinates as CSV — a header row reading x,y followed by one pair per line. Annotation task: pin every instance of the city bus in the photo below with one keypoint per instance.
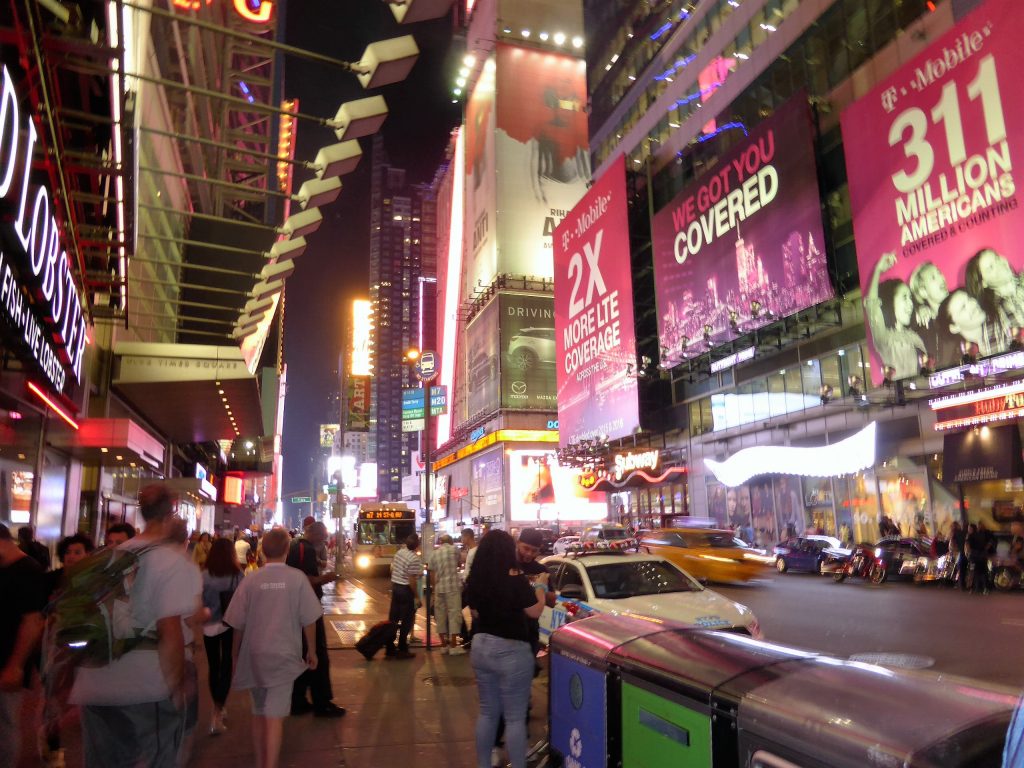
x,y
381,528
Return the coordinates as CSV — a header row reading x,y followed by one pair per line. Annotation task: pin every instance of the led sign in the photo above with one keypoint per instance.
x,y
1013,361
979,407
501,436
387,514
734,359
53,328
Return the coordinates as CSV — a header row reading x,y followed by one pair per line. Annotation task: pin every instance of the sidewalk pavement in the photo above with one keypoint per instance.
x,y
418,712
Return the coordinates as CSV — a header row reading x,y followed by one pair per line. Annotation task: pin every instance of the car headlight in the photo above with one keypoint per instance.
x,y
363,561
878,551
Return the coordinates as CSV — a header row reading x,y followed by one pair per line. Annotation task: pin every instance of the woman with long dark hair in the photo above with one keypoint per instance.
x,y
220,580
502,599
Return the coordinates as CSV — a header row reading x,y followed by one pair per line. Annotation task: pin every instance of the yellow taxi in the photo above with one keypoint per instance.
x,y
708,554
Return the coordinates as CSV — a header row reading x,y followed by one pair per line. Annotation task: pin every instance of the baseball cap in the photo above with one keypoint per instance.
x,y
531,537
308,521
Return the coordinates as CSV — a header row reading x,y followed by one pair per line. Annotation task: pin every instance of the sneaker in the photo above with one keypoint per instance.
x,y
496,759
457,651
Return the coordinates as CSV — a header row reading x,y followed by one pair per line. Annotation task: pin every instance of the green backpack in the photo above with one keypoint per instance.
x,y
88,623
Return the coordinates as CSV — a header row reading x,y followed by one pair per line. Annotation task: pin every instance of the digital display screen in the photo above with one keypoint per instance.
x,y
387,514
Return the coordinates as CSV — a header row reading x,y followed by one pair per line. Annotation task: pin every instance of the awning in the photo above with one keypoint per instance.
x,y
843,458
112,441
192,393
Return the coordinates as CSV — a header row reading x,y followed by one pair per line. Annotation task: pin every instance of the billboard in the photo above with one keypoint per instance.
x,y
541,489
528,351
482,364
935,212
743,243
362,328
486,488
357,417
543,158
329,434
479,179
595,339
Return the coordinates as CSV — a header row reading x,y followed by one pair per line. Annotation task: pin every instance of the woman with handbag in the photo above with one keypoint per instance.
x,y
220,580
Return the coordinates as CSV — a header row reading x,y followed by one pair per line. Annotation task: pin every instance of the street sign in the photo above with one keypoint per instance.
x,y
426,367
438,400
301,499
412,404
413,425
413,411
332,489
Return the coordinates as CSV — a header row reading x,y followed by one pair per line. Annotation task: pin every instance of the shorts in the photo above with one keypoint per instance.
x,y
275,701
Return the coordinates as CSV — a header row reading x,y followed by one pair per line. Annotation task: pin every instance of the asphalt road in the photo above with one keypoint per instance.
x,y
979,636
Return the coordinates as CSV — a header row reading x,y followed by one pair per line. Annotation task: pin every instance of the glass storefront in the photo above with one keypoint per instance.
x,y
650,507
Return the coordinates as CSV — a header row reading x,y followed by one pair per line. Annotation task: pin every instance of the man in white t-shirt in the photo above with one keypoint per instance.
x,y
133,709
242,548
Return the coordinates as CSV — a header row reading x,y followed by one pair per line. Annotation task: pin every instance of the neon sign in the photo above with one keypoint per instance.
x,y
256,11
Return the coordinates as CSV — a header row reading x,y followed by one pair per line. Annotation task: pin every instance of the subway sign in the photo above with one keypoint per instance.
x,y
33,262
983,406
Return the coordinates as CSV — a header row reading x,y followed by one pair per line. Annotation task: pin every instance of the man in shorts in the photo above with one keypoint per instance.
x,y
267,612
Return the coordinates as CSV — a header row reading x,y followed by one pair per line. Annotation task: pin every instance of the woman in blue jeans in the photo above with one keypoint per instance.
x,y
501,599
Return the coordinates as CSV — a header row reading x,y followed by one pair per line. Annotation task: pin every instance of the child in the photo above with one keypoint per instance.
x,y
266,612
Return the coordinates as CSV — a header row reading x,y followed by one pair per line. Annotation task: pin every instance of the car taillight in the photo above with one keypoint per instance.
x,y
572,608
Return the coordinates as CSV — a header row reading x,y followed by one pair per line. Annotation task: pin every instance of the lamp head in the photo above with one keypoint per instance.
x,y
318,192
302,223
411,11
387,61
337,159
359,118
412,355
288,249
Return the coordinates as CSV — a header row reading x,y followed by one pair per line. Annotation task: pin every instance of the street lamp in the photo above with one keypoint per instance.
x,y
412,356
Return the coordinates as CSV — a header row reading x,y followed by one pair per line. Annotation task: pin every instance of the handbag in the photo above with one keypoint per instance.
x,y
226,595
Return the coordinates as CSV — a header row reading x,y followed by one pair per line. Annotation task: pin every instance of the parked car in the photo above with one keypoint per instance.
x,y
617,582
607,536
710,554
901,556
565,544
532,347
804,553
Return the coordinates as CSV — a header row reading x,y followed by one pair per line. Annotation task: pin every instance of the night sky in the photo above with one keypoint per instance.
x,y
334,270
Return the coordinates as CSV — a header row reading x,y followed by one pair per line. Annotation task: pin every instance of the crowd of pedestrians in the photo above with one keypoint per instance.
x,y
259,623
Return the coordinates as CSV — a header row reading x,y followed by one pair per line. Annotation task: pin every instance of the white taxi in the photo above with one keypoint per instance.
x,y
644,585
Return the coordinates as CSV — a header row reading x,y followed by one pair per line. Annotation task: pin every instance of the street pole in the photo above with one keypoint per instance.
x,y
426,492
339,552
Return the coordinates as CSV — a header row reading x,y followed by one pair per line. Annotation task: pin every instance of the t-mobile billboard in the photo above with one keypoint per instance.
x,y
595,339
935,212
743,243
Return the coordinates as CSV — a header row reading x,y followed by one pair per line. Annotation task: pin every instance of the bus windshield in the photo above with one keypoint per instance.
x,y
374,532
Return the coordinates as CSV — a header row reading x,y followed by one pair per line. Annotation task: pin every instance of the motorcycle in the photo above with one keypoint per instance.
x,y
861,563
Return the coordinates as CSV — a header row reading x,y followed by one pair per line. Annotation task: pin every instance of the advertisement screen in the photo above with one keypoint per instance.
x,y
935,212
482,379
528,351
595,340
328,434
486,487
743,243
540,489
362,329
543,159
481,252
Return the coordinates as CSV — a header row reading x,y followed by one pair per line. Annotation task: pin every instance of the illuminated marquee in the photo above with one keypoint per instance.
x,y
53,328
983,406
362,327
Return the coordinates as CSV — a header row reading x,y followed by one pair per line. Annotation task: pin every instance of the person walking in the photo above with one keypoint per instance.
x,y
444,578
502,600
406,570
133,709
303,554
201,550
220,581
23,587
270,612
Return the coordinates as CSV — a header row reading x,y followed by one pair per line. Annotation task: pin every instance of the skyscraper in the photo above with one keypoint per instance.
x,y
402,224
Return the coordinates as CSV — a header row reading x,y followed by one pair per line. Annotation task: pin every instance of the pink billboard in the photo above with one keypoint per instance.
x,y
594,335
932,190
743,244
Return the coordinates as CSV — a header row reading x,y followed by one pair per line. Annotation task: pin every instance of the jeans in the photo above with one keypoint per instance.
x,y
504,676
403,611
317,681
218,654
131,735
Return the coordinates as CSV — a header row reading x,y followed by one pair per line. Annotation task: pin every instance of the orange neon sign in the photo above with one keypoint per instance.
x,y
256,11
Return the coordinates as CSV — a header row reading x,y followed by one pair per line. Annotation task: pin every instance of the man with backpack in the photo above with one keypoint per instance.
x,y
133,706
